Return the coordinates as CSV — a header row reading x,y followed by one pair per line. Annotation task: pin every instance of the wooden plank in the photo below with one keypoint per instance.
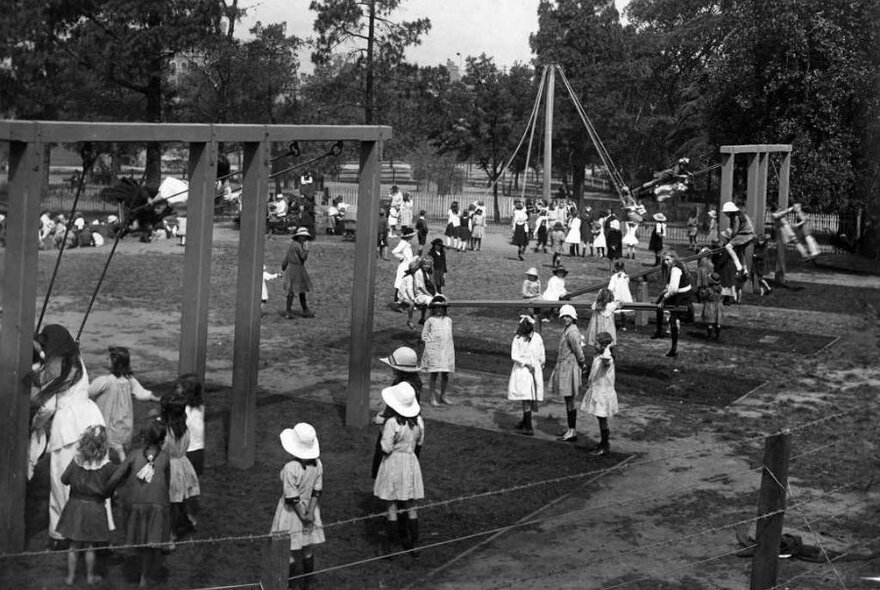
x,y
73,131
755,148
197,258
357,407
18,297
771,498
527,303
275,562
246,346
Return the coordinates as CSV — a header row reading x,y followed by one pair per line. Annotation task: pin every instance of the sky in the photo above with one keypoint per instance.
x,y
459,28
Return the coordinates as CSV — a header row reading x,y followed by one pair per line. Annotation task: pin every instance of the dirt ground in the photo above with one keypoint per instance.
x,y
689,471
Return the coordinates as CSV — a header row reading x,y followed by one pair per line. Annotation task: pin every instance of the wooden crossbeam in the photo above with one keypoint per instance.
x,y
592,287
529,303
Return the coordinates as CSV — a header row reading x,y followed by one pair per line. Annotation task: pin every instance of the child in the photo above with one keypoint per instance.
x,y
531,287
526,382
655,245
422,231
399,479
630,239
565,380
84,518
112,393
438,259
296,279
599,242
478,228
264,296
602,318
710,295
557,243
619,287
298,511
600,399
541,231
403,252
439,355
190,387
183,481
382,238
148,472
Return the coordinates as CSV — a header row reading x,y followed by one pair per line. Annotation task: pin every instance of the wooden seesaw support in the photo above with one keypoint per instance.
x,y
29,141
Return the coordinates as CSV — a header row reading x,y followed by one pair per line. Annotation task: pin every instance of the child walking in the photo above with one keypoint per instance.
x,y
602,318
526,382
147,473
600,399
296,279
399,479
566,377
183,486
84,518
557,243
298,511
439,355
112,393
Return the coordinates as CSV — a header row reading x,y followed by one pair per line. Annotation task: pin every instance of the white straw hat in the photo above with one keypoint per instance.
x,y
301,441
659,217
729,207
532,271
568,310
402,399
403,359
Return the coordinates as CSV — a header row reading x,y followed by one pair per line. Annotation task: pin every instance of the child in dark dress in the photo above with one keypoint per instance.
x,y
438,258
84,518
147,473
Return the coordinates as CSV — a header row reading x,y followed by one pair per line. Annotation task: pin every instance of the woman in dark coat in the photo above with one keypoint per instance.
x,y
296,279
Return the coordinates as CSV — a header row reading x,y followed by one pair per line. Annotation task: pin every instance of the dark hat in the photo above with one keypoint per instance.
x,y
560,270
438,301
437,242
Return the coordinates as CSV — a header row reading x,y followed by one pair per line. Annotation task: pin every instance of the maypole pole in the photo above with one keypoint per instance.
x,y
548,134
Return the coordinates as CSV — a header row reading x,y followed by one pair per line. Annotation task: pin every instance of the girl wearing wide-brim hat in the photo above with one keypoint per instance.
x,y
298,511
404,363
567,374
655,244
296,279
399,479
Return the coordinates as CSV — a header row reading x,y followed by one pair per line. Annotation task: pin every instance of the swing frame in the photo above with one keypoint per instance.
x,y
29,142
756,190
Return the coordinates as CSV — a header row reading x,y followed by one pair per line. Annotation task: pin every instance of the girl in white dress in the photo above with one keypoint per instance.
x,y
439,355
600,399
298,511
630,239
399,479
403,252
599,242
526,382
573,238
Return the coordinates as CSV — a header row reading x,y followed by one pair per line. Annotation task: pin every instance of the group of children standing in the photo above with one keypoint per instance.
x,y
87,431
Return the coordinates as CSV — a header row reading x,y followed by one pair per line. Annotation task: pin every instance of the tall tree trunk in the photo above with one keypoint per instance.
x,y
154,115
369,107
497,209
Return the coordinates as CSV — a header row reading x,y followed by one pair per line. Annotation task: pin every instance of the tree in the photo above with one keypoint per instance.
x,y
377,42
485,116
100,59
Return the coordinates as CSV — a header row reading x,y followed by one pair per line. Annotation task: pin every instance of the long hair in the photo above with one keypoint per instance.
x,y
604,297
92,445
153,436
603,339
190,386
120,361
174,413
67,352
411,422
412,378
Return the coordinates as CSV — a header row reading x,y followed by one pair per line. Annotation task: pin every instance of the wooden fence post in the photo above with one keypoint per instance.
x,y
276,560
768,529
642,316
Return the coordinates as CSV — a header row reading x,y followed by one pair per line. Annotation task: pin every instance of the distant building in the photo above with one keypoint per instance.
x,y
454,71
181,65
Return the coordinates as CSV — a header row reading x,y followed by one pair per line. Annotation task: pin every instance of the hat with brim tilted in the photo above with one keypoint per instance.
x,y
301,441
302,232
729,207
403,359
659,217
568,311
402,399
439,301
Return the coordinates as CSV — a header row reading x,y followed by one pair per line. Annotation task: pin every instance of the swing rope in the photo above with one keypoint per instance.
x,y
335,151
89,157
533,123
